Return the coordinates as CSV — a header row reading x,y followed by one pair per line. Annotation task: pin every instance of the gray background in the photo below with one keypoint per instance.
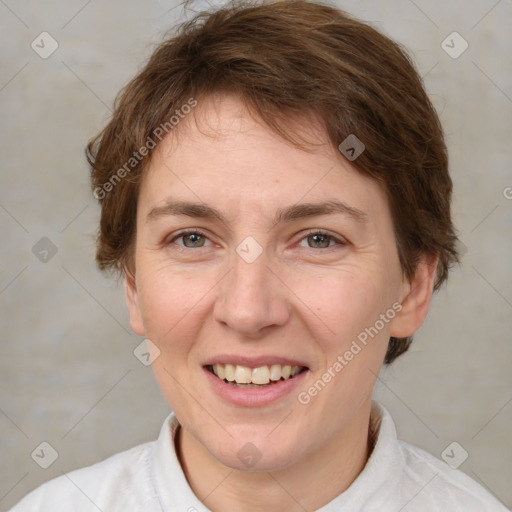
x,y
69,376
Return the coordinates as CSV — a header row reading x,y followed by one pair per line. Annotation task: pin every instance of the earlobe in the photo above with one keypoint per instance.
x,y
132,303
416,299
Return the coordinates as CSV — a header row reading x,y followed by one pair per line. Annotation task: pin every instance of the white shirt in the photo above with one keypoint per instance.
x,y
149,478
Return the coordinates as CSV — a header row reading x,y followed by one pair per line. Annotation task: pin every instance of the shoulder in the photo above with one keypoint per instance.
x,y
434,484
120,482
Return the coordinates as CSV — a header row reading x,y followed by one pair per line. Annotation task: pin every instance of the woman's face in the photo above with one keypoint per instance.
x,y
253,253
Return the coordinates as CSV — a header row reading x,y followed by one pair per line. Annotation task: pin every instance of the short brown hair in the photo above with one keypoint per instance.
x,y
284,59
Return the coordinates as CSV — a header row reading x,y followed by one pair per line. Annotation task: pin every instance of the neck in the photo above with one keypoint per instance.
x,y
308,484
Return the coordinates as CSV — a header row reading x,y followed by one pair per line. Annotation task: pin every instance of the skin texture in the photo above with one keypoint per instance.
x,y
298,299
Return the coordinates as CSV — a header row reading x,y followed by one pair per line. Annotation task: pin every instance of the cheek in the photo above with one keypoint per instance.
x,y
171,300
173,305
339,309
341,303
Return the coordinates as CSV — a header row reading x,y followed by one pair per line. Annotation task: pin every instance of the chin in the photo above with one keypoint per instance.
x,y
244,454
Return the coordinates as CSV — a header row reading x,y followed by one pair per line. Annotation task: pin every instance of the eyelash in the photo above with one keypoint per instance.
x,y
181,234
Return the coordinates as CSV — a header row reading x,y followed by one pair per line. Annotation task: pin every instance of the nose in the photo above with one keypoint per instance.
x,y
251,299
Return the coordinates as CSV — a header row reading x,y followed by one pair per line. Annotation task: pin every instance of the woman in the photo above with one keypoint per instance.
x,y
275,191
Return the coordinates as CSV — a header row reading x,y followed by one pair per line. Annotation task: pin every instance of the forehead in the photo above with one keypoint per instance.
x,y
222,154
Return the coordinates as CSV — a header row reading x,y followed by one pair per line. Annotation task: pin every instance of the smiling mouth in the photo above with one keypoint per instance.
x,y
261,376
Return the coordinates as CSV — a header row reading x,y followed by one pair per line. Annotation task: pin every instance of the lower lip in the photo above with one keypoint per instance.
x,y
254,397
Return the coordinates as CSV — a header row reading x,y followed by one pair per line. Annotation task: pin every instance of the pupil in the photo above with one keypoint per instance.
x,y
194,239
320,240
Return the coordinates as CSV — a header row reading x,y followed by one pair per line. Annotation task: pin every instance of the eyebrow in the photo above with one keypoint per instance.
x,y
283,215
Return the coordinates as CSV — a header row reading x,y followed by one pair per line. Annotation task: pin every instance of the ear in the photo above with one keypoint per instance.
x,y
132,303
416,295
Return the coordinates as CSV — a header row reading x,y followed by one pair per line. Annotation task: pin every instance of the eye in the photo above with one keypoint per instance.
x,y
194,239
190,239
321,240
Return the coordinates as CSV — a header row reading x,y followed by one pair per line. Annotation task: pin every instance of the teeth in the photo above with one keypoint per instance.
x,y
229,372
275,372
219,371
243,375
261,375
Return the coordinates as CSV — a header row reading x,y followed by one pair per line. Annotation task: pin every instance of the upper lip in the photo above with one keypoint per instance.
x,y
253,362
